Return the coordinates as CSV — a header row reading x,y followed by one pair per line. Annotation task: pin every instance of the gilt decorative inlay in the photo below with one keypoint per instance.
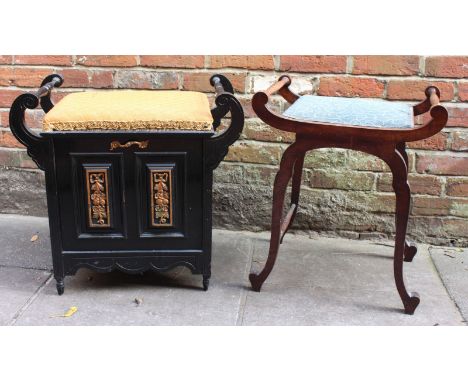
x,y
161,198
98,197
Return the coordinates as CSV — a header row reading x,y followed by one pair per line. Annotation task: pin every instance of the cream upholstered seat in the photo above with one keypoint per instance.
x,y
131,110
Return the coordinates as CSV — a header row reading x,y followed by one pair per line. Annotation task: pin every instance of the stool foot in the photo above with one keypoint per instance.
x,y
256,282
410,251
60,287
206,282
412,303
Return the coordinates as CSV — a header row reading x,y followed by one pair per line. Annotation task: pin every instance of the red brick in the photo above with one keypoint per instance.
x,y
254,152
314,64
16,158
436,142
456,227
447,66
29,77
4,119
460,141
201,81
351,87
111,60
7,139
386,65
6,59
442,164
425,205
44,60
420,184
457,187
139,79
33,118
6,76
74,78
7,96
173,61
265,133
414,89
457,116
102,79
463,91
244,62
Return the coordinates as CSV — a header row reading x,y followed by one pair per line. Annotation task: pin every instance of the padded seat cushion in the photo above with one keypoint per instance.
x,y
352,111
129,110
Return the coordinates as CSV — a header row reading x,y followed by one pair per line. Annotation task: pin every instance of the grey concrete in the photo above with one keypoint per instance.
x,y
316,281
452,265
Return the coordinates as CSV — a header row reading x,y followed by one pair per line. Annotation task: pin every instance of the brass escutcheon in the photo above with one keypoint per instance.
x,y
117,145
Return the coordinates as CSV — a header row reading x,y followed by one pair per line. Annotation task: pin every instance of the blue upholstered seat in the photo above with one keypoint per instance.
x,y
352,111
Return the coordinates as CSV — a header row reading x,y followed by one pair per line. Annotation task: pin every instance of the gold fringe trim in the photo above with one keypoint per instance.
x,y
127,125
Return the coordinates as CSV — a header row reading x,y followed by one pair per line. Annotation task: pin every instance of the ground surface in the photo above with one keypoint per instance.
x,y
319,281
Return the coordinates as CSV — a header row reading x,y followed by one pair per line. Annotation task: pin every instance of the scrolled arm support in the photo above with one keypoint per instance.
x,y
225,102
36,145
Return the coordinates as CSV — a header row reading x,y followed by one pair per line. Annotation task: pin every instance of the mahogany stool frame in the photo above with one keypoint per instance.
x,y
388,144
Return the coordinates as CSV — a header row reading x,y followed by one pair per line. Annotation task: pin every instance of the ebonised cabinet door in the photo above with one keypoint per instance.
x,y
122,197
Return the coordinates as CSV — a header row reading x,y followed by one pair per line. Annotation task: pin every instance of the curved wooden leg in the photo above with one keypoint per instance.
x,y
296,189
402,191
279,191
410,248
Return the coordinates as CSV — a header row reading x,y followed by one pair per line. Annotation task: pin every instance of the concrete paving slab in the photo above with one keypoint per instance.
x,y
172,298
17,249
319,281
452,265
17,287
333,281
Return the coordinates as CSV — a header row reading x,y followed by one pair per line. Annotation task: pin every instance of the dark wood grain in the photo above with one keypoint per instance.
x,y
386,144
124,235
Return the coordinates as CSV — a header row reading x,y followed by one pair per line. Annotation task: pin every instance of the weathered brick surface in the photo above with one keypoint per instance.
x,y
351,87
173,61
460,141
247,62
313,64
457,187
463,91
107,60
420,184
386,65
343,192
43,60
135,79
437,142
447,66
442,164
201,81
414,89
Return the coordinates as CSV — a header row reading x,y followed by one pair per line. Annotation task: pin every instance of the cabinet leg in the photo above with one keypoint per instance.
x,y
206,282
60,286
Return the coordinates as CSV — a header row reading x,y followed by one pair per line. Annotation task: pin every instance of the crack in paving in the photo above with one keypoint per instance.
x,y
465,321
31,299
243,297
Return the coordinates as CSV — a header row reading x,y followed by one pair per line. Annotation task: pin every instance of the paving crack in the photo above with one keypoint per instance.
x,y
30,301
243,296
465,319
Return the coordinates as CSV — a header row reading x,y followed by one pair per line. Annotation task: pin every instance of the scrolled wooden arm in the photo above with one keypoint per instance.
x,y
321,129
35,144
225,102
48,83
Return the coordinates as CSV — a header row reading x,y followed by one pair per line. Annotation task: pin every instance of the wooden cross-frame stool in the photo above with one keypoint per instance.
x,y
376,127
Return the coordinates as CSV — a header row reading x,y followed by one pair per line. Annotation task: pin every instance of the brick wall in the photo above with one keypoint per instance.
x,y
344,192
